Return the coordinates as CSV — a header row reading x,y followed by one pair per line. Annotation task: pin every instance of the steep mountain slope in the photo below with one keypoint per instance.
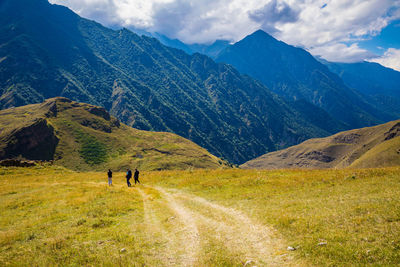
x,y
377,146
380,84
85,137
294,74
47,51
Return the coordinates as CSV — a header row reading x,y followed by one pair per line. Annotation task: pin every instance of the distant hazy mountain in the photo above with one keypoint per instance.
x,y
380,84
211,50
47,51
295,74
85,137
369,147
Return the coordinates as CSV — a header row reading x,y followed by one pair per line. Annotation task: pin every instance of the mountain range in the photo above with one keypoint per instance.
x,y
379,84
295,74
47,51
212,50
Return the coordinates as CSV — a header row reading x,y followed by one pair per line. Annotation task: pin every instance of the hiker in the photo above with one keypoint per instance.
x,y
136,176
109,173
128,177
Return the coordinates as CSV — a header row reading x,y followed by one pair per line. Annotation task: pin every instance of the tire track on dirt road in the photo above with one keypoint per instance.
x,y
191,242
181,239
156,232
256,243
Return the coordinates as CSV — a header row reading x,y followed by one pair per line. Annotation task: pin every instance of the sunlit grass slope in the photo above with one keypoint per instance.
x,y
369,147
53,216
90,139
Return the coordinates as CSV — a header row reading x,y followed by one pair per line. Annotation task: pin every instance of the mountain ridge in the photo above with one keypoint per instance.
x,y
381,85
50,51
293,73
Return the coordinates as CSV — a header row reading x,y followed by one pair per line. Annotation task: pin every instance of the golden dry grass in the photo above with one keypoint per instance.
x,y
53,216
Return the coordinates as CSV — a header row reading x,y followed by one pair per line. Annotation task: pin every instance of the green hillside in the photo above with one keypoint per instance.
x,y
85,137
47,51
369,147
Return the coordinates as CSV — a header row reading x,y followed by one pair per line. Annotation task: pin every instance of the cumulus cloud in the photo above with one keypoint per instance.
x,y
338,52
332,29
390,59
104,11
274,12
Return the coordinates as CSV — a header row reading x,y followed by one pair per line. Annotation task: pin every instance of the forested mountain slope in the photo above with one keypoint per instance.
x,y
47,50
380,84
295,74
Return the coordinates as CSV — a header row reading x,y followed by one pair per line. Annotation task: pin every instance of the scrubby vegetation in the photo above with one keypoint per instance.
x,y
92,151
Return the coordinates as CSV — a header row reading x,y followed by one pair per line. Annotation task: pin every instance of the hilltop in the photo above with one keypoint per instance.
x,y
85,137
369,147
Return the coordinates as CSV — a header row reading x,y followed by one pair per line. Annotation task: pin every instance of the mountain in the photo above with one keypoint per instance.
x,y
295,74
85,137
174,43
380,84
47,51
211,50
377,146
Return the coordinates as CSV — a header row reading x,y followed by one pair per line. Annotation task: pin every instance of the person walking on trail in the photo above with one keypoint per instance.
x,y
128,177
109,173
136,176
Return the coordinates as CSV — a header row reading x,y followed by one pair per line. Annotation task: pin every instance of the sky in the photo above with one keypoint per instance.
x,y
336,30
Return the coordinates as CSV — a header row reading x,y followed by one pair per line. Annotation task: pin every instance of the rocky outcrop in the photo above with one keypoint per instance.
x,y
101,112
17,163
393,132
35,142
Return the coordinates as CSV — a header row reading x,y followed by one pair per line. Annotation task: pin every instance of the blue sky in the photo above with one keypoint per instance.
x,y
387,38
337,30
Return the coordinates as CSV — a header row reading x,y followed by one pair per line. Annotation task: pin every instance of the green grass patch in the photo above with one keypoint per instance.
x,y
92,151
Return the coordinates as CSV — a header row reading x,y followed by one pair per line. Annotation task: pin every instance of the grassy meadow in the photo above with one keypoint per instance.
x,y
54,216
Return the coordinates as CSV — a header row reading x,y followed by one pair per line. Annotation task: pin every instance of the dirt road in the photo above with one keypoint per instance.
x,y
192,231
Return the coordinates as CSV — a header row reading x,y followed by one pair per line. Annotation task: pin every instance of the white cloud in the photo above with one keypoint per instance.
x,y
390,59
321,26
338,52
335,30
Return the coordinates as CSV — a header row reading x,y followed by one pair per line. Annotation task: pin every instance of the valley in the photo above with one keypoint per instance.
x,y
251,151
141,82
